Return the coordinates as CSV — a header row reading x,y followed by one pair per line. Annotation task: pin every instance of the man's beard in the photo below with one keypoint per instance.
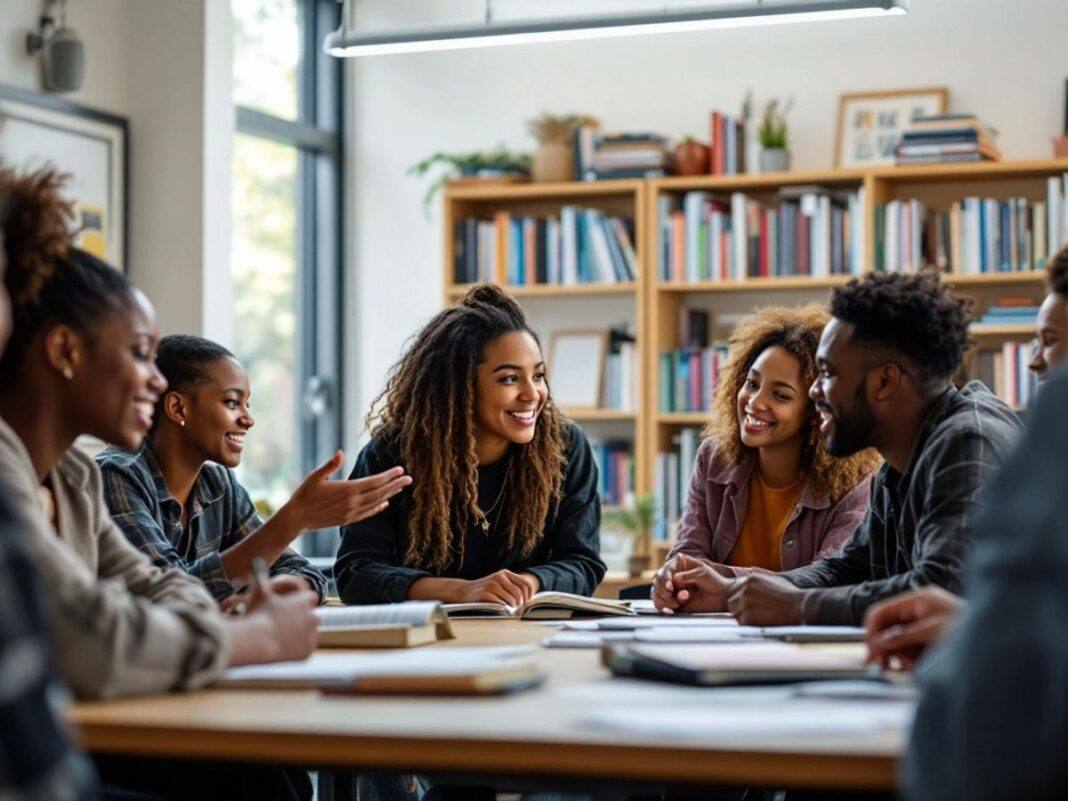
x,y
853,427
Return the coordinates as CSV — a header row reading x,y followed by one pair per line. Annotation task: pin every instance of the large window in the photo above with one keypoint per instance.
x,y
286,250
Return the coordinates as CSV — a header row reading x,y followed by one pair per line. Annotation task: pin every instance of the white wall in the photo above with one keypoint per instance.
x,y
1006,61
164,64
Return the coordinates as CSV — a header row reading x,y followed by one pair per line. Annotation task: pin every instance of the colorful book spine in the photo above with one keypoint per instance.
x,y
687,378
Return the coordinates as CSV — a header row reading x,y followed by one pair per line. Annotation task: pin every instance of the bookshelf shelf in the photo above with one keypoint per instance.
x,y
1013,331
554,290
683,418
600,415
753,284
658,305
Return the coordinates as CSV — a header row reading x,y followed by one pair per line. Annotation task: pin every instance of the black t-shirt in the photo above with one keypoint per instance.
x,y
370,568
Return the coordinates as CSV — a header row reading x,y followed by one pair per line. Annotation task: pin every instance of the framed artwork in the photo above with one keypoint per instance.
x,y
91,145
870,124
576,367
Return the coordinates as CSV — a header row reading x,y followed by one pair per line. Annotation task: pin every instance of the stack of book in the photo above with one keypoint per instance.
x,y
580,246
1009,311
672,472
615,463
805,231
1006,373
619,388
608,156
728,145
975,235
945,138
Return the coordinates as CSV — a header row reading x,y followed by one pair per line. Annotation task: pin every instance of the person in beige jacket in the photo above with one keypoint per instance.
x,y
80,361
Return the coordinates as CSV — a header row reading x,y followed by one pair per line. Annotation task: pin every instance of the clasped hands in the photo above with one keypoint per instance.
x,y
686,584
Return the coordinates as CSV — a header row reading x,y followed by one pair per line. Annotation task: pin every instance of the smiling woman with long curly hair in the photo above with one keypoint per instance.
x,y
503,501
765,494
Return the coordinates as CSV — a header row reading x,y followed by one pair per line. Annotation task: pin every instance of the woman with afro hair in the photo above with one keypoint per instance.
x,y
765,494
503,501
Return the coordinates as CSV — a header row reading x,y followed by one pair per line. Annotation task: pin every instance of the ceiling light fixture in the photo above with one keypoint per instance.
x,y
347,42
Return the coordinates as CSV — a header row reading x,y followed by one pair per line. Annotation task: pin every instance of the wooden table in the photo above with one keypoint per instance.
x,y
540,733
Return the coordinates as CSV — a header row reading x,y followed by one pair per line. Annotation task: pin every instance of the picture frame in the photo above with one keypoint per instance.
x,y
91,145
576,368
870,124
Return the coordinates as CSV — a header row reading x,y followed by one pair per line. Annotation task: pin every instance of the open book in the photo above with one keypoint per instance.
x,y
383,626
543,606
449,671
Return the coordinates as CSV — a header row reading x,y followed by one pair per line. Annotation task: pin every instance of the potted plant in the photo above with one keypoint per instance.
x,y
772,134
554,159
497,163
636,521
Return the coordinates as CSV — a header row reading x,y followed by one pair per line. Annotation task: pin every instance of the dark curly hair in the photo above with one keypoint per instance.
x,y
1057,272
910,314
428,410
48,278
798,332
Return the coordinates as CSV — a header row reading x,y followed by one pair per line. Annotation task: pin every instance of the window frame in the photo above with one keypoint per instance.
x,y
317,134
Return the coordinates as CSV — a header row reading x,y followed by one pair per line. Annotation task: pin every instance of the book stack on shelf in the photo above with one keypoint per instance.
x,y
612,156
687,376
620,385
806,230
671,478
946,138
580,246
728,145
1009,311
615,462
975,235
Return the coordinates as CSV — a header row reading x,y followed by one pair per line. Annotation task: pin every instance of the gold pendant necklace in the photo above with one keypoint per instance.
x,y
485,515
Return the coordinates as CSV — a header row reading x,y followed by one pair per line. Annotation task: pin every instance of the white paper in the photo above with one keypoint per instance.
x,y
815,633
688,621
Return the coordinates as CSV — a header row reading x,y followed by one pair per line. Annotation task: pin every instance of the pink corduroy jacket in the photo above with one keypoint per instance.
x,y
716,504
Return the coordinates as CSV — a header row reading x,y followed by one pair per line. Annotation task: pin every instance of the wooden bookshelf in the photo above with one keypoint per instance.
x,y
601,415
658,304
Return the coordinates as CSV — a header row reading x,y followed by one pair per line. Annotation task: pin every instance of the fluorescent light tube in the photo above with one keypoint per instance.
x,y
370,43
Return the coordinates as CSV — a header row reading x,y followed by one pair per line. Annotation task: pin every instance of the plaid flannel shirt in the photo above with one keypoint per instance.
x,y
220,514
37,761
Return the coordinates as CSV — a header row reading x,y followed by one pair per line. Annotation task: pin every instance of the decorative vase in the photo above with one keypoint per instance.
x,y
774,159
636,565
552,162
692,158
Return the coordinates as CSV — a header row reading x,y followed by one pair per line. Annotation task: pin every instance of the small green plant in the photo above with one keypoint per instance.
x,y
636,520
772,132
479,163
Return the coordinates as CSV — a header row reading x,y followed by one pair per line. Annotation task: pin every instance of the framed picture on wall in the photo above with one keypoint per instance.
x,y
90,145
576,366
870,124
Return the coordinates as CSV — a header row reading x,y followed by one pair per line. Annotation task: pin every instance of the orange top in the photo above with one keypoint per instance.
x,y
769,511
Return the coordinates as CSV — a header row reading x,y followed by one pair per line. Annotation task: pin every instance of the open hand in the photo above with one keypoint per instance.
x,y
321,503
900,629
760,599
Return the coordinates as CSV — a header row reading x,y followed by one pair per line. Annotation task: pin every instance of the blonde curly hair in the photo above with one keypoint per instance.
x,y
797,330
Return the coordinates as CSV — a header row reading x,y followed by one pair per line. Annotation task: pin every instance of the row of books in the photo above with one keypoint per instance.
x,y
1006,373
615,463
672,472
807,230
727,155
945,138
619,387
975,236
608,156
1009,311
687,377
580,246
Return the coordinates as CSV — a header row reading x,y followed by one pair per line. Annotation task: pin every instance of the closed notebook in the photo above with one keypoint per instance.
x,y
543,606
383,626
434,671
728,664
